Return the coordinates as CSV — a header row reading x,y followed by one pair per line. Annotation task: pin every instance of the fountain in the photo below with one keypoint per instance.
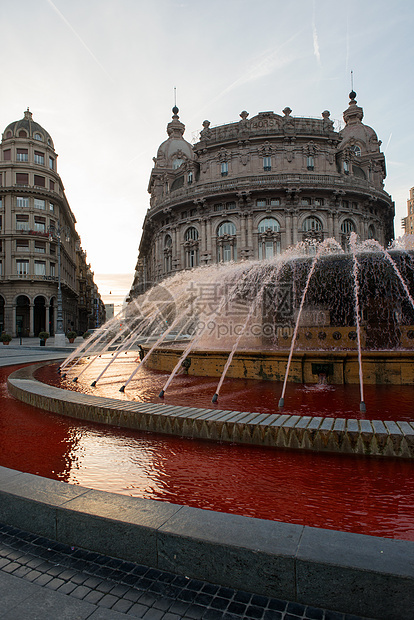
x,y
315,314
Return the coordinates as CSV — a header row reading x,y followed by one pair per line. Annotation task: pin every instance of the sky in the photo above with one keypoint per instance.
x,y
99,76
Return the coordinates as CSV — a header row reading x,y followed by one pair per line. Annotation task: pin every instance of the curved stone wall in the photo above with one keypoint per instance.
x,y
350,436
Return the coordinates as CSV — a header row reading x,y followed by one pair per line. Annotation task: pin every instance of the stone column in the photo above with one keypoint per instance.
x,y
288,228
295,227
31,315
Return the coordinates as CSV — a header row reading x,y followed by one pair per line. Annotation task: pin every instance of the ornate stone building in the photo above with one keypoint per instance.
x,y
36,226
250,189
408,221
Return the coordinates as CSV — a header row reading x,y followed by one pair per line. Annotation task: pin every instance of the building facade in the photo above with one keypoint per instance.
x,y
251,189
408,221
38,240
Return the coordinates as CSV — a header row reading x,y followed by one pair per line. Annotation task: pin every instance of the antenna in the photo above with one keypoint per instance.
x,y
352,80
175,96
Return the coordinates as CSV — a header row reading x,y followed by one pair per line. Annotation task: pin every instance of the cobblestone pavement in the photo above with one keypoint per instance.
x,y
45,580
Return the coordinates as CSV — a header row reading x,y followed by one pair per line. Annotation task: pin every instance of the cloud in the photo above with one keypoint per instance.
x,y
315,38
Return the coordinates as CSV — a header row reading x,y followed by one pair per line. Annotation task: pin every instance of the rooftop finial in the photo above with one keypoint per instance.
x,y
175,109
352,94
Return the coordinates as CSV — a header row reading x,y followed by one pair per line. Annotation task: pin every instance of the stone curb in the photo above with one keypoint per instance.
x,y
351,573
340,435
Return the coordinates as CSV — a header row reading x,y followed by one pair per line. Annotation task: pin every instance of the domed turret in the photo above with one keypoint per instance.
x,y
27,128
174,151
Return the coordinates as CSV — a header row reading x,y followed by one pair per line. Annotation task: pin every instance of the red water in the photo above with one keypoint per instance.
x,y
348,493
383,402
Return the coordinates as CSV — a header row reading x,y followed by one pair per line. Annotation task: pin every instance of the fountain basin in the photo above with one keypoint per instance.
x,y
279,430
339,367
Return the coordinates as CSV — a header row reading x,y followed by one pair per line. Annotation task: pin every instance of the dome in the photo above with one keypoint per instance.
x,y
355,129
33,130
175,149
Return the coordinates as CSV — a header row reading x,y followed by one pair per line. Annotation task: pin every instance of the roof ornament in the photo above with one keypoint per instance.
x,y
28,116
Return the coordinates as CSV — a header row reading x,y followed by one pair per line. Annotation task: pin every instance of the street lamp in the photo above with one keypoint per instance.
x,y
55,233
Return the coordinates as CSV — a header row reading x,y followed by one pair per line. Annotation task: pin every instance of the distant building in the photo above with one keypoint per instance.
x,y
250,189
408,222
36,222
110,311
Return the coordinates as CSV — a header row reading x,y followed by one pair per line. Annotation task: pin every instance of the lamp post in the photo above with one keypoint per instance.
x,y
55,232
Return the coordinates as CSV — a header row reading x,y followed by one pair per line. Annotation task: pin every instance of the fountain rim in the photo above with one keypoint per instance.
x,y
351,436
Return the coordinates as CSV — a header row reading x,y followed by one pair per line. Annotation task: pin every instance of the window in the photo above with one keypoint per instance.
x,y
230,205
22,155
39,181
371,232
345,204
51,163
7,155
191,234
274,202
22,134
39,158
318,202
22,178
177,163
52,269
168,254
1,268
356,150
40,268
40,224
190,177
224,169
226,228
183,215
22,246
40,204
310,162
305,201
1,181
312,224
1,222
347,226
267,164
219,207
40,247
261,203
1,202
346,167
269,224
9,134
22,267
38,136
22,222
51,207
52,186
22,203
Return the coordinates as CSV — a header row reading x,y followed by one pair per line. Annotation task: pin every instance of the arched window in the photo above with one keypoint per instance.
x,y
372,233
269,237
356,150
191,247
22,134
38,136
347,226
269,223
167,253
224,169
226,242
191,234
312,224
226,228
